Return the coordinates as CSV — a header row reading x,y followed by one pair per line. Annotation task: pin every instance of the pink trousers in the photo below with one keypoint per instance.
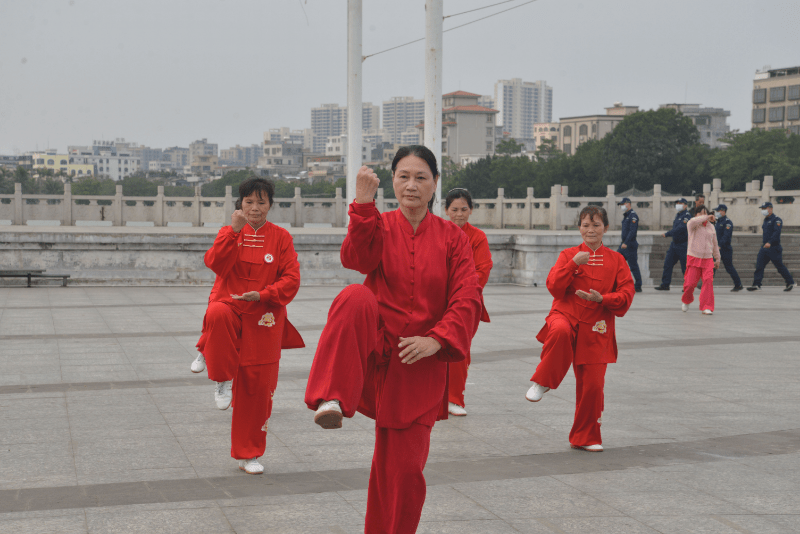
x,y
695,270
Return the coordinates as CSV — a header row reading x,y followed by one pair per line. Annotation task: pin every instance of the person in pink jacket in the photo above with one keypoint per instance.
x,y
702,257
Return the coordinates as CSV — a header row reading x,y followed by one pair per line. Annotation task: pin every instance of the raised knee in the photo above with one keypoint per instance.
x,y
217,311
357,295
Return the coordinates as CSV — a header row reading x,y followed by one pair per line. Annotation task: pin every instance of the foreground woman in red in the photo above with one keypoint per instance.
x,y
458,207
245,325
385,348
591,285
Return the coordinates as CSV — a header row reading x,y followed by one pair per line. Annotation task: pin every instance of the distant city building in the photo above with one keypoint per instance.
x,y
61,163
204,164
467,128
12,162
113,159
337,146
546,130
577,130
776,99
712,123
331,120
147,154
401,114
487,101
410,137
521,105
281,158
177,156
243,156
202,148
297,137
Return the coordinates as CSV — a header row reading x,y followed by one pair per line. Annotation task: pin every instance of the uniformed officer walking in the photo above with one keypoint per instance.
x,y
677,249
724,227
629,247
771,250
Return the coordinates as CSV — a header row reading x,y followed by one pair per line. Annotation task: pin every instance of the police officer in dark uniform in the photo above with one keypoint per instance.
x,y
629,247
677,249
771,250
724,228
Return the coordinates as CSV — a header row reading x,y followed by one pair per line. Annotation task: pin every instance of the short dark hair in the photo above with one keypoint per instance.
x,y
421,152
698,197
697,209
458,192
255,184
591,211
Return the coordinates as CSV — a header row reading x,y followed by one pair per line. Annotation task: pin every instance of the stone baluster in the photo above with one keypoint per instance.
x,y
657,208
614,214
159,205
500,207
529,209
18,217
66,208
119,218
339,209
298,207
227,206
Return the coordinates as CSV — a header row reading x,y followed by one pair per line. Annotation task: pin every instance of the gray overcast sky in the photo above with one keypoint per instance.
x,y
167,72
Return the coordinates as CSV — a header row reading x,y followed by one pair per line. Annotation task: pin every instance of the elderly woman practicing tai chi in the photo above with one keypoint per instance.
x,y
458,207
385,347
245,326
591,285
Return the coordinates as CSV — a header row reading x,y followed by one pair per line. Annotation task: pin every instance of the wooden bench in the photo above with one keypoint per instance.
x,y
33,273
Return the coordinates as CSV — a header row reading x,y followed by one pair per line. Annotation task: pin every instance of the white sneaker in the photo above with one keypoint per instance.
x,y
329,415
251,467
684,307
589,448
536,392
456,410
199,364
708,312
223,394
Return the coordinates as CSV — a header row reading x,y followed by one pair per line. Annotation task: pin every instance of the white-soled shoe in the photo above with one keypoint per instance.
x,y
199,363
251,467
329,415
708,312
536,392
684,307
223,394
456,410
588,448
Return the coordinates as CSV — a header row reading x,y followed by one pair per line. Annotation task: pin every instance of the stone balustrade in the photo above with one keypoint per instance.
x,y
555,212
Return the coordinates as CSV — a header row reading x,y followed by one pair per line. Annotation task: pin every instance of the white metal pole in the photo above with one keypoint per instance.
x,y
434,16
354,60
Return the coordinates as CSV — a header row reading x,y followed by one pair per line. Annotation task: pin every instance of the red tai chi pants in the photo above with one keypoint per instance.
x,y
458,381
697,269
344,369
558,354
253,385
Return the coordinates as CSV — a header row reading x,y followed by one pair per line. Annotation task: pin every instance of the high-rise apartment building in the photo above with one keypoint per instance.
x,y
177,156
331,119
401,114
296,137
467,128
776,99
521,105
243,156
712,123
487,101
202,148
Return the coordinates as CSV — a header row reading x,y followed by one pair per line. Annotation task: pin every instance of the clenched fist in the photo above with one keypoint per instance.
x,y
581,258
367,183
238,220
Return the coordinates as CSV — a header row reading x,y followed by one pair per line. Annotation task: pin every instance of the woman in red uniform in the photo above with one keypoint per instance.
x,y
591,285
245,325
458,207
385,348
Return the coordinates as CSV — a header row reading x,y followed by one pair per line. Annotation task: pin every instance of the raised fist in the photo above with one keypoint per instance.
x,y
581,258
367,183
238,220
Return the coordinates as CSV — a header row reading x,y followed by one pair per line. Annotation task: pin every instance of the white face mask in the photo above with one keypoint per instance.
x,y
717,215
764,213
624,208
678,207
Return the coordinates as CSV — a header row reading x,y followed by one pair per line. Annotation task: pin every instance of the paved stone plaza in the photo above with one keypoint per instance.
x,y
104,429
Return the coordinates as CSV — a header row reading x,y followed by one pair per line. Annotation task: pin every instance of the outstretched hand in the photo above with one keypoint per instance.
x,y
592,295
417,347
250,296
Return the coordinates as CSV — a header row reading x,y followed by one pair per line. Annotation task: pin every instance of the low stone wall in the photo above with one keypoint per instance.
x,y
166,256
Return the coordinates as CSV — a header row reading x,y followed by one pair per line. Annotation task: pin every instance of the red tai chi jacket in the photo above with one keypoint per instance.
x,y
607,273
262,260
483,260
426,285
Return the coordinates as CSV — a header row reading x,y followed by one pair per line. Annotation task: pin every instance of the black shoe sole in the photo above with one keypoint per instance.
x,y
737,288
754,288
788,288
659,288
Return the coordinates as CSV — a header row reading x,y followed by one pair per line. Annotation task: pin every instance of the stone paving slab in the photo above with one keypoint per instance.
x,y
104,429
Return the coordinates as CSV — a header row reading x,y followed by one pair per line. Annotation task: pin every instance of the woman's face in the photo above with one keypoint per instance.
x,y
413,182
459,212
592,231
255,208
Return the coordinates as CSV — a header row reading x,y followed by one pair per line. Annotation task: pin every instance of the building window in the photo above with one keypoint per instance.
x,y
777,94
51,162
795,130
489,132
489,146
567,132
759,96
594,128
794,92
40,161
583,130
568,149
776,114
101,169
444,147
488,118
759,115
793,112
